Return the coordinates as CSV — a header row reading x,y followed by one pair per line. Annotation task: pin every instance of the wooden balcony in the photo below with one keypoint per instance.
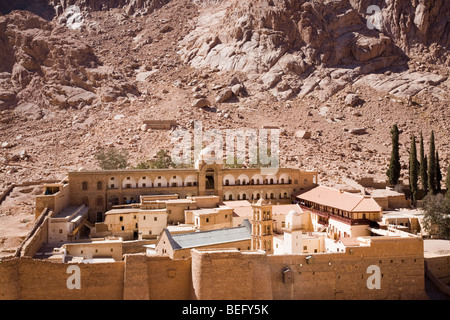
x,y
346,220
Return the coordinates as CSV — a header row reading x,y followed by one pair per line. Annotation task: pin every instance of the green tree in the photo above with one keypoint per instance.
x,y
163,160
438,173
413,170
144,164
393,172
447,182
436,220
423,167
112,159
432,166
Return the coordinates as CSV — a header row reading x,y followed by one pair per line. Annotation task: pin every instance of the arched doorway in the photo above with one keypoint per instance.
x,y
209,180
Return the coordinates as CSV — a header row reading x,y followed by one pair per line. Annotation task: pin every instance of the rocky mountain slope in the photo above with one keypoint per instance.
x,y
76,76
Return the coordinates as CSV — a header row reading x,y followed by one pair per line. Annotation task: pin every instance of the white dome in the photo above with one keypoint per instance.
x,y
208,155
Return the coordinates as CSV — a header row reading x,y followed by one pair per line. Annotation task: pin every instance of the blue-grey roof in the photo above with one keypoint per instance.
x,y
205,238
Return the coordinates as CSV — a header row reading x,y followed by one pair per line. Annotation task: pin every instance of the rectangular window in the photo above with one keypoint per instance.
x,y
123,228
120,218
155,218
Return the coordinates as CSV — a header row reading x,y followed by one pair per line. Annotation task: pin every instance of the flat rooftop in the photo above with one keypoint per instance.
x,y
436,248
72,213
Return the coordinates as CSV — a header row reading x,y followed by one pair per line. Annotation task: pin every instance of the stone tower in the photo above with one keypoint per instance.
x,y
293,233
262,226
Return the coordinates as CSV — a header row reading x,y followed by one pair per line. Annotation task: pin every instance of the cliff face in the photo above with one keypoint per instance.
x,y
281,39
414,23
87,72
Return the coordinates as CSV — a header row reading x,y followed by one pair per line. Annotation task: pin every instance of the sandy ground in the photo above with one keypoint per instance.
x,y
16,218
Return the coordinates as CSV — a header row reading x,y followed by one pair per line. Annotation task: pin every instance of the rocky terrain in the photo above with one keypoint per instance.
x,y
77,76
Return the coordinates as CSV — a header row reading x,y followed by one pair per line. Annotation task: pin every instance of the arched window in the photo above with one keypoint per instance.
x,y
99,201
84,185
99,185
230,197
227,182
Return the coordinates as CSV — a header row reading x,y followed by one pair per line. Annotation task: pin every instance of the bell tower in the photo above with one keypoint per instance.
x,y
262,226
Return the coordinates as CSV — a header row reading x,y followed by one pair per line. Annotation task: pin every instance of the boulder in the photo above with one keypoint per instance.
x,y
144,127
6,145
224,95
303,134
238,89
352,100
358,131
201,103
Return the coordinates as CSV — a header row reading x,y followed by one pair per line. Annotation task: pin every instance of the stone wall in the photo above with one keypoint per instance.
x,y
230,275
318,276
30,279
440,266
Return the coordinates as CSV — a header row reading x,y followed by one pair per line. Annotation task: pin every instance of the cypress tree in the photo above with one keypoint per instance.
x,y
423,166
447,182
432,166
438,174
393,172
413,170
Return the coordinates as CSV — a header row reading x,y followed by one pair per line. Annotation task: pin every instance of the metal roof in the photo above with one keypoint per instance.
x,y
205,238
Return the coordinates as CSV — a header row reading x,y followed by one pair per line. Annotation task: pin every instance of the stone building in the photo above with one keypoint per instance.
x,y
103,189
262,226
179,246
342,214
67,226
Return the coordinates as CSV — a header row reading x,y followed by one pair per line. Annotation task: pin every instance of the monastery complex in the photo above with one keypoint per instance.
x,y
191,234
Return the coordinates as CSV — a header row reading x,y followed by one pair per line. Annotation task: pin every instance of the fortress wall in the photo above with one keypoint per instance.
x,y
9,279
439,266
39,279
169,279
229,275
37,239
324,276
